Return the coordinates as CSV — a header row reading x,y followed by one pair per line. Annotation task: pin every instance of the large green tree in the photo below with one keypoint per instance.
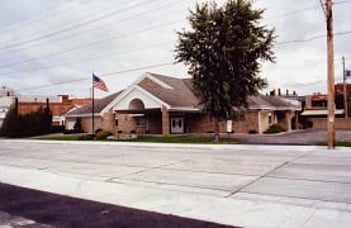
x,y
224,49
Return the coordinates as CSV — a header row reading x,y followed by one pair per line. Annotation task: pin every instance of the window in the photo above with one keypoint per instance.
x,y
140,121
116,122
239,116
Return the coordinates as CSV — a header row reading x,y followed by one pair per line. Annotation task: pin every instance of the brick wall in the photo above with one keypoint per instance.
x,y
340,123
126,124
199,123
107,122
250,122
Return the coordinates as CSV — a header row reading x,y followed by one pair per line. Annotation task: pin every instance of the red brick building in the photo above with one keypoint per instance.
x,y
58,105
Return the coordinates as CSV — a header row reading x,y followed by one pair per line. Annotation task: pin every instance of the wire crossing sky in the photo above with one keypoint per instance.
x,y
51,47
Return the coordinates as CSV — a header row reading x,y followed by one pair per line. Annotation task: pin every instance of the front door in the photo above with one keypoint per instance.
x,y
177,124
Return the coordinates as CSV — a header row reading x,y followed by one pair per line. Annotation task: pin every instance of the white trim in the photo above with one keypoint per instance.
x,y
184,109
136,115
158,81
272,108
136,87
124,93
84,115
320,112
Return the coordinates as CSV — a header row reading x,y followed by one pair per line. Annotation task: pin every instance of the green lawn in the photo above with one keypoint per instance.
x,y
62,137
339,143
154,139
179,139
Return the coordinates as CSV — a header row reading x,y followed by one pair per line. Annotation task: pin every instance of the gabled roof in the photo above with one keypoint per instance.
x,y
177,93
269,102
99,105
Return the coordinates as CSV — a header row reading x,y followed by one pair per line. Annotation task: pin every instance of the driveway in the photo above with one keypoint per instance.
x,y
300,137
239,185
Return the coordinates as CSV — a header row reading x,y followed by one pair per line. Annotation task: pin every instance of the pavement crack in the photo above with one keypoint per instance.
x,y
145,170
268,173
309,218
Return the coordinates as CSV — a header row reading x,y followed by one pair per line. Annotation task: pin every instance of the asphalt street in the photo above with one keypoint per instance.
x,y
239,185
29,207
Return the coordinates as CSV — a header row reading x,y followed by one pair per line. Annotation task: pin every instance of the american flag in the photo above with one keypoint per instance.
x,y
99,83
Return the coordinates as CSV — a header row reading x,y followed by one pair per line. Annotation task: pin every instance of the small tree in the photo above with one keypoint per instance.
x,y
78,125
223,49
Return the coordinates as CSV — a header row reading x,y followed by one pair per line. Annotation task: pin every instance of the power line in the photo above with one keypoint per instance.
x,y
70,36
312,38
103,75
71,28
323,8
342,2
293,12
26,19
85,59
90,44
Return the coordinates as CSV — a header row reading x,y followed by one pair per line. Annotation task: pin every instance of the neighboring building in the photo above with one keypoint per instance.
x,y
316,106
58,105
103,115
339,89
6,92
5,104
316,111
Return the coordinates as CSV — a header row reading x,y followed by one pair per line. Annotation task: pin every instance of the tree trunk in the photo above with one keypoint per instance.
x,y
216,130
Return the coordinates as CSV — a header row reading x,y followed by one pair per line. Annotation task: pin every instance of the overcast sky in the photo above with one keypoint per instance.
x,y
44,43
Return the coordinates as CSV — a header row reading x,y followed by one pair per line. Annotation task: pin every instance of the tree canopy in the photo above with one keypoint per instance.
x,y
224,49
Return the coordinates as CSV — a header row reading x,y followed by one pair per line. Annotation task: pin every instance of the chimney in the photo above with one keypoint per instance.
x,y
279,92
287,92
294,93
65,99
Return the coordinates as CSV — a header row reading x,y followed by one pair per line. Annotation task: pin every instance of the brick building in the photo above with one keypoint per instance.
x,y
157,104
58,105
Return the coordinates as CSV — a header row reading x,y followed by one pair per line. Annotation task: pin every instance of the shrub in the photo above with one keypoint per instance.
x,y
102,135
86,137
72,131
78,125
98,130
275,128
57,129
252,131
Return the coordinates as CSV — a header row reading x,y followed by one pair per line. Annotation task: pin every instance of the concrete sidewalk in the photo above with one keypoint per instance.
x,y
250,186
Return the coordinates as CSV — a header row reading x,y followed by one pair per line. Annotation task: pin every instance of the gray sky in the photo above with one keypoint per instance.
x,y
46,42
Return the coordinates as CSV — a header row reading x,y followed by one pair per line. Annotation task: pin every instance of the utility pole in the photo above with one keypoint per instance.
x,y
345,90
331,88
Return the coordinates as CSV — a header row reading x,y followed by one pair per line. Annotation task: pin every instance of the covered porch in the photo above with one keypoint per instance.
x,y
138,118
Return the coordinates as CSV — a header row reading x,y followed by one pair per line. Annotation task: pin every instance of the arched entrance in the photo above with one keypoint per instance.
x,y
136,104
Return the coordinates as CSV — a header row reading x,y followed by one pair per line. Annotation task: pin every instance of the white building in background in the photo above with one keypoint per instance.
x,y
7,98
